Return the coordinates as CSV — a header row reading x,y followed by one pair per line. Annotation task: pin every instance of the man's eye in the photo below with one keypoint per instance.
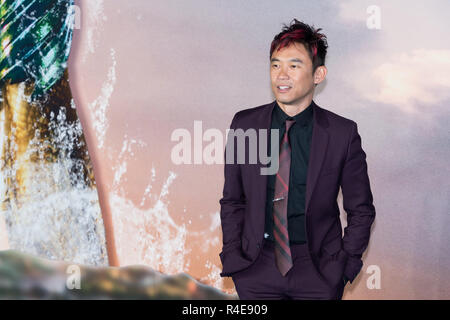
x,y
294,66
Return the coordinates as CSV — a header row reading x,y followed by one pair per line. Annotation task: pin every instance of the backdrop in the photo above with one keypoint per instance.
x,y
142,70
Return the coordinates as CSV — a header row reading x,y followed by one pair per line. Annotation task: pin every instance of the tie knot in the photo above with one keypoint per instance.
x,y
289,123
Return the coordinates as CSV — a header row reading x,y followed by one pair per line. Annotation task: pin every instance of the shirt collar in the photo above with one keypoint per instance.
x,y
303,118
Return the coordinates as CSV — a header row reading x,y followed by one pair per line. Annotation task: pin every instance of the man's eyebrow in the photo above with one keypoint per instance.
x,y
292,60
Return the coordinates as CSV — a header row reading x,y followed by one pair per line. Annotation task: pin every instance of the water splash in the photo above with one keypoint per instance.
x,y
96,17
100,105
146,236
50,201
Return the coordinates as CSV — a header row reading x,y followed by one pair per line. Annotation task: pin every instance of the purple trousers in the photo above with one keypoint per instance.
x,y
262,279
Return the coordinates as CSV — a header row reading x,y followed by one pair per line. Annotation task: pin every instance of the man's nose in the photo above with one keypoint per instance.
x,y
283,73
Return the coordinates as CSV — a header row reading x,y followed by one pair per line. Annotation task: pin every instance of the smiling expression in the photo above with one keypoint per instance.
x,y
291,75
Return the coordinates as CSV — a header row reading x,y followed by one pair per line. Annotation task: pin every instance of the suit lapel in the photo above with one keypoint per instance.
x,y
318,148
263,121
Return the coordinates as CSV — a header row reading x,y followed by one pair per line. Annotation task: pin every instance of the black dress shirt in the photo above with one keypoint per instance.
x,y
300,140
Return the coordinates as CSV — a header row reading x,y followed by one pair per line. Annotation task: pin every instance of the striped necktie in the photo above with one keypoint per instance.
x,y
280,231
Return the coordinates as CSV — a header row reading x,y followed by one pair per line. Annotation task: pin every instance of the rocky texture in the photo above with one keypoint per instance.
x,y
23,276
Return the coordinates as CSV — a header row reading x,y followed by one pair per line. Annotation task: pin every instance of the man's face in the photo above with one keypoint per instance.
x,y
292,67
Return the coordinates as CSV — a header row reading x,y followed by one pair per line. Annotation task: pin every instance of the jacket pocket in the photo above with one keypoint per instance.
x,y
244,243
332,248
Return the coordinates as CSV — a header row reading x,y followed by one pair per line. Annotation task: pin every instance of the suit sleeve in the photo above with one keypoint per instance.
x,y
357,203
232,204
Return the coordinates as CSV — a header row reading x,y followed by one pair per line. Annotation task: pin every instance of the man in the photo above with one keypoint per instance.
x,y
282,236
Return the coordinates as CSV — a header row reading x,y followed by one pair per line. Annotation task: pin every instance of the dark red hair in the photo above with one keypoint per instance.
x,y
314,42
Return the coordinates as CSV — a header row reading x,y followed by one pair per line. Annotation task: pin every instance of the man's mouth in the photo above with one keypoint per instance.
x,y
283,88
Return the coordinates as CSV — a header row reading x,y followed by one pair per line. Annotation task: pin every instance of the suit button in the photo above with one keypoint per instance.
x,y
258,245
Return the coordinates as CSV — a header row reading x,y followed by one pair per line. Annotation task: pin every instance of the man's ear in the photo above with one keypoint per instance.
x,y
320,74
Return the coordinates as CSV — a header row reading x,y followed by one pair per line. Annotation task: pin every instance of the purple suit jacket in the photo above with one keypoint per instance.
x,y
336,160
